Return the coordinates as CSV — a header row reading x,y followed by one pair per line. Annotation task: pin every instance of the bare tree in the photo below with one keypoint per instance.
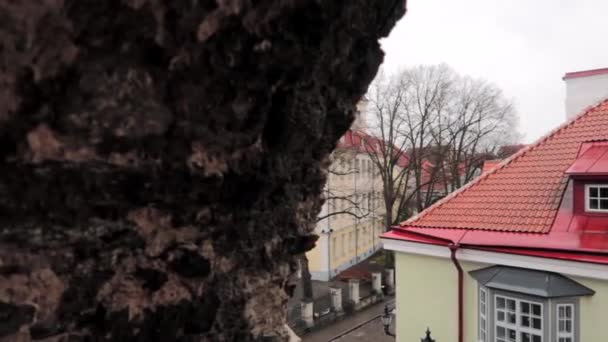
x,y
478,120
431,128
428,93
386,145
403,109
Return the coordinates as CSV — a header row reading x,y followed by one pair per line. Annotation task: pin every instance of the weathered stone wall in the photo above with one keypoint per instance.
x,y
161,162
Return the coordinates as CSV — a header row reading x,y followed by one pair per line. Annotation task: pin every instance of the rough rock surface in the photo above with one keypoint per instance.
x,y
161,162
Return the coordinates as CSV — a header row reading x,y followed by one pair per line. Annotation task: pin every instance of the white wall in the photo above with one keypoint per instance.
x,y
582,92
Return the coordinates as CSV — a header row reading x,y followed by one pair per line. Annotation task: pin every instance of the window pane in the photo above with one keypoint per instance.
x,y
561,326
500,303
511,318
603,204
560,311
525,337
525,321
501,316
511,304
568,326
603,192
536,309
593,204
568,311
536,323
500,332
536,338
525,307
512,335
593,191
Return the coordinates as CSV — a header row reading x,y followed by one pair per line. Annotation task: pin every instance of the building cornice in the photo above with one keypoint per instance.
x,y
572,268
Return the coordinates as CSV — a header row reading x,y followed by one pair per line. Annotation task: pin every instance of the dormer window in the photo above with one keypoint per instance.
x,y
596,198
589,172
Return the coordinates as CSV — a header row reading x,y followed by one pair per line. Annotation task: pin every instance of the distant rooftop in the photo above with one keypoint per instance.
x,y
585,73
489,165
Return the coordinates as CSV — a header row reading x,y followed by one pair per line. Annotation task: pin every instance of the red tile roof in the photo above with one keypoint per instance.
x,y
524,193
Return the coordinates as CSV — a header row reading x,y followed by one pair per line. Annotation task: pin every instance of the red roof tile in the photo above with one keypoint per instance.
x,y
523,194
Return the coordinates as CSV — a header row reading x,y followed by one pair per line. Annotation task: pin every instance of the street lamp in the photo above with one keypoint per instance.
x,y
387,319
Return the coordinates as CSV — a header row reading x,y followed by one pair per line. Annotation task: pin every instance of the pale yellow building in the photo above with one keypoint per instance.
x,y
352,217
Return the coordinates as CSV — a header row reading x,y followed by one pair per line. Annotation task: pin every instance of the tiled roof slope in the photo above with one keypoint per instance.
x,y
523,194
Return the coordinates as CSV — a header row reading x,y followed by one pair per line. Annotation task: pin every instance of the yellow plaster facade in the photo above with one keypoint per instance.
x,y
426,296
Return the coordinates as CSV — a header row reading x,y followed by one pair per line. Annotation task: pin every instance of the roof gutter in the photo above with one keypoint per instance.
x,y
453,248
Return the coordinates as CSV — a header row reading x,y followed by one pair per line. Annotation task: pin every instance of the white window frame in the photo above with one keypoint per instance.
x,y
518,326
483,328
588,197
568,336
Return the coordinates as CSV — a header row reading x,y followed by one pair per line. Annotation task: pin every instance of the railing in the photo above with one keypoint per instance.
x,y
324,314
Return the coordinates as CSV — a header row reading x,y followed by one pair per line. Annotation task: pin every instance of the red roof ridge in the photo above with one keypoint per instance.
x,y
585,73
403,227
517,155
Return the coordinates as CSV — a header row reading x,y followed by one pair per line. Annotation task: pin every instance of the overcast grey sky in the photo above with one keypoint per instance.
x,y
523,46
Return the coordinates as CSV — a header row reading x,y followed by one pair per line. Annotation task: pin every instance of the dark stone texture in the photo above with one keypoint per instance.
x,y
162,162
12,317
152,279
190,264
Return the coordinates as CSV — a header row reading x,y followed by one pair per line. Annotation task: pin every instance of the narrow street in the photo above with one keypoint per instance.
x,y
331,331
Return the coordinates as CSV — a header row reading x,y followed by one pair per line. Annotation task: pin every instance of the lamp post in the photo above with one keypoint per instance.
x,y
387,319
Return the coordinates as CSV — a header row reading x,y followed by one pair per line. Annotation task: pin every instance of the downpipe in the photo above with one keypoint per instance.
x,y
453,249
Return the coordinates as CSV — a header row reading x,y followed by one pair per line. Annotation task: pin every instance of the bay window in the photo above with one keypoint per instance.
x,y
518,320
521,305
483,315
565,322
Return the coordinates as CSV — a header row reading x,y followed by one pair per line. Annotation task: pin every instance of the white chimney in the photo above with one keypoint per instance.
x,y
584,89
